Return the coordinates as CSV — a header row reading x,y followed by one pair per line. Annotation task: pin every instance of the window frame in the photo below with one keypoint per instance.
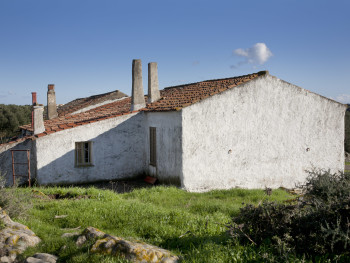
x,y
83,154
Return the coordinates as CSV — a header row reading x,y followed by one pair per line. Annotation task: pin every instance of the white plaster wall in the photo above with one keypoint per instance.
x,y
256,135
117,149
169,146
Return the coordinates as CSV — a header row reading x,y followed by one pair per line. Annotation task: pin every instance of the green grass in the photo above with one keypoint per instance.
x,y
159,216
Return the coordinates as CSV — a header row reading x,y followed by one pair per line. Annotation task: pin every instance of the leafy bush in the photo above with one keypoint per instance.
x,y
316,223
326,187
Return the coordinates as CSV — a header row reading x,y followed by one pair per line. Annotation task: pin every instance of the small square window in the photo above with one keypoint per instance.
x,y
83,154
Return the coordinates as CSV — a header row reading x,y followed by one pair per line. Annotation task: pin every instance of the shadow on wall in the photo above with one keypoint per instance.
x,y
19,157
117,153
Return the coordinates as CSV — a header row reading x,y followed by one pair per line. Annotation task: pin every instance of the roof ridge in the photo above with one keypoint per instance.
x,y
97,95
211,80
172,98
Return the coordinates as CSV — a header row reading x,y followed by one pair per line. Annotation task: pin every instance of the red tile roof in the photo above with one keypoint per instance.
x,y
177,97
114,109
172,98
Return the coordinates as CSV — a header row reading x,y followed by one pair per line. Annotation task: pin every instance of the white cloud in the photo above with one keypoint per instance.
x,y
256,55
343,98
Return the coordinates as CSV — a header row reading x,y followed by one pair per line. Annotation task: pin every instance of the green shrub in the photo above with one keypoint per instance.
x,y
326,187
316,223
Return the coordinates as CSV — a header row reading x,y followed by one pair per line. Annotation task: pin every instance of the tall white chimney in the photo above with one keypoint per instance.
x,y
137,96
51,102
38,119
153,86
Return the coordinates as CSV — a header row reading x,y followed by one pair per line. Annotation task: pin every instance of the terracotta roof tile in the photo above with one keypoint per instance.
x,y
172,98
100,113
177,97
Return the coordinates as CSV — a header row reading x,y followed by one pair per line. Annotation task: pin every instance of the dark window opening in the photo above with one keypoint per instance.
x,y
153,146
83,154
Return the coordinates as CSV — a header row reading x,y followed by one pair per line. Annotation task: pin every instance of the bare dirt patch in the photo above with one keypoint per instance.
x,y
120,186
68,196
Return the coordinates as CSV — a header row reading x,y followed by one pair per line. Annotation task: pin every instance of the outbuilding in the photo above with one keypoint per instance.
x,y
251,131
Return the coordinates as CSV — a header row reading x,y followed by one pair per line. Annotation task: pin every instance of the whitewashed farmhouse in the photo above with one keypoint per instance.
x,y
252,131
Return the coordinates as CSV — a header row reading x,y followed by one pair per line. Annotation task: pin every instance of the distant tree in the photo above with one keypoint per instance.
x,y
11,117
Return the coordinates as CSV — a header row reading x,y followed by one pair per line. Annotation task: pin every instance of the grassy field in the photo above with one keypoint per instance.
x,y
189,224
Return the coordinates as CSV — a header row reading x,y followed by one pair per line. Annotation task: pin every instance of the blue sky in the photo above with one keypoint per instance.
x,y
86,47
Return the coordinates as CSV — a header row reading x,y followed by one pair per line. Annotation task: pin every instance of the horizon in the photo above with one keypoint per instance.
x,y
86,47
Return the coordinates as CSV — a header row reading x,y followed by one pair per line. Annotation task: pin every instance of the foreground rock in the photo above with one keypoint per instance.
x,y
41,258
14,238
134,251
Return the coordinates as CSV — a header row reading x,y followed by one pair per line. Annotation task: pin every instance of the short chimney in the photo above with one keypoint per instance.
x,y
34,98
37,116
153,86
33,103
137,96
38,119
51,102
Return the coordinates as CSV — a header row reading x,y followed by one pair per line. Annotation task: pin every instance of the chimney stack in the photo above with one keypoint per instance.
x,y
153,86
33,98
33,104
51,102
137,96
38,119
37,116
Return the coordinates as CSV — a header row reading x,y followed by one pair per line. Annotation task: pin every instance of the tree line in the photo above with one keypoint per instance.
x,y
11,117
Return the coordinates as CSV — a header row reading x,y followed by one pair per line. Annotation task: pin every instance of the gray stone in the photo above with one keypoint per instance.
x,y
33,260
137,252
70,234
14,238
153,85
91,233
137,97
88,234
81,240
5,259
41,258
